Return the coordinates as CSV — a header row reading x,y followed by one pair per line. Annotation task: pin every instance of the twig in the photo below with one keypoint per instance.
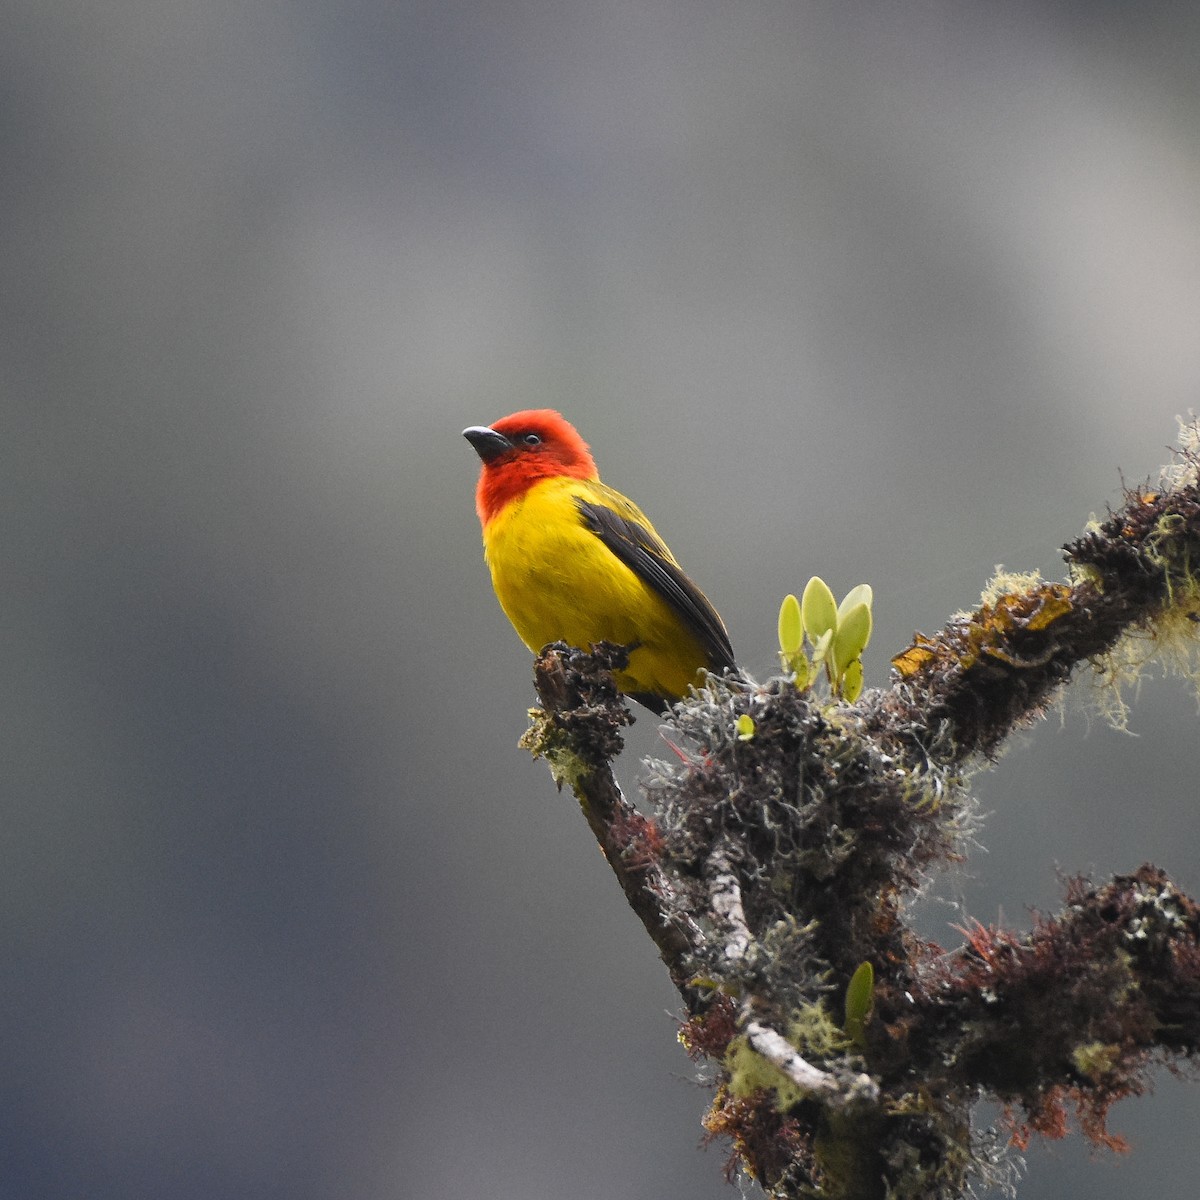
x,y
778,1051
725,897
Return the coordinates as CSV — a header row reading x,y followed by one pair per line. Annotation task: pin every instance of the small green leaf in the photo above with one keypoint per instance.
x,y
791,628
821,647
853,634
745,727
852,681
819,609
860,996
856,595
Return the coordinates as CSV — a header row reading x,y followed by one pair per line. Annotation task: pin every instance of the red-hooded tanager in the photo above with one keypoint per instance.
x,y
573,560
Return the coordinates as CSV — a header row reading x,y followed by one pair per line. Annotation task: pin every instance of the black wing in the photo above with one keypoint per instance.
x,y
650,560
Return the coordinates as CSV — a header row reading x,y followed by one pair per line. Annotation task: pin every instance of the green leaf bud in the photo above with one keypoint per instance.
x,y
862,594
791,628
821,647
819,609
853,634
852,681
860,996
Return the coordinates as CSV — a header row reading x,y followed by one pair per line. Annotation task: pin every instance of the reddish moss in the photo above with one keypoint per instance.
x,y
640,840
764,1143
708,1034
1047,1117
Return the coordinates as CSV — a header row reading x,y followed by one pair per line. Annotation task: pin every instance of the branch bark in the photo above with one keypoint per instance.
x,y
775,866
578,733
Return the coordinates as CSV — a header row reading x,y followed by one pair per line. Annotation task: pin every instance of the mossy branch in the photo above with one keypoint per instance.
x,y
790,835
578,733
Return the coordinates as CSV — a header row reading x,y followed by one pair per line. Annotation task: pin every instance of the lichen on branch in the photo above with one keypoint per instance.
x,y
789,835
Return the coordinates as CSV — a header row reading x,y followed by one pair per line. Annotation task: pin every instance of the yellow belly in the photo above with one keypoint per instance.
x,y
557,581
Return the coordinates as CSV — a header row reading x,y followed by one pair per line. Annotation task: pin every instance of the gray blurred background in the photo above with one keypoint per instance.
x,y
884,292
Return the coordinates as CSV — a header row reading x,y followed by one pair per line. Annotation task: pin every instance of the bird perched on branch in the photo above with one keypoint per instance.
x,y
573,560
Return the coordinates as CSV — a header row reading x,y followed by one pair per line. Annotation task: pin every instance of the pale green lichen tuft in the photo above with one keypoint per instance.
x,y
1171,640
1096,1059
545,741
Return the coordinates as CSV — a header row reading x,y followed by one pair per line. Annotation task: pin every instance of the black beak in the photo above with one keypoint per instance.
x,y
487,442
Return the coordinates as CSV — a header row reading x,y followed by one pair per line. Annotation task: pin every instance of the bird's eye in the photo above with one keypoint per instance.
x,y
531,439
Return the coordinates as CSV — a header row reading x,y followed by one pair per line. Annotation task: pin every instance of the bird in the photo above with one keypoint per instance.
x,y
573,560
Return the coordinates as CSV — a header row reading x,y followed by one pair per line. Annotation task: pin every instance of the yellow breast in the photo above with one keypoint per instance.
x,y
557,581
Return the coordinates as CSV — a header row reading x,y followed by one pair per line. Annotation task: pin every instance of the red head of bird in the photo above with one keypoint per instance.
x,y
520,449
